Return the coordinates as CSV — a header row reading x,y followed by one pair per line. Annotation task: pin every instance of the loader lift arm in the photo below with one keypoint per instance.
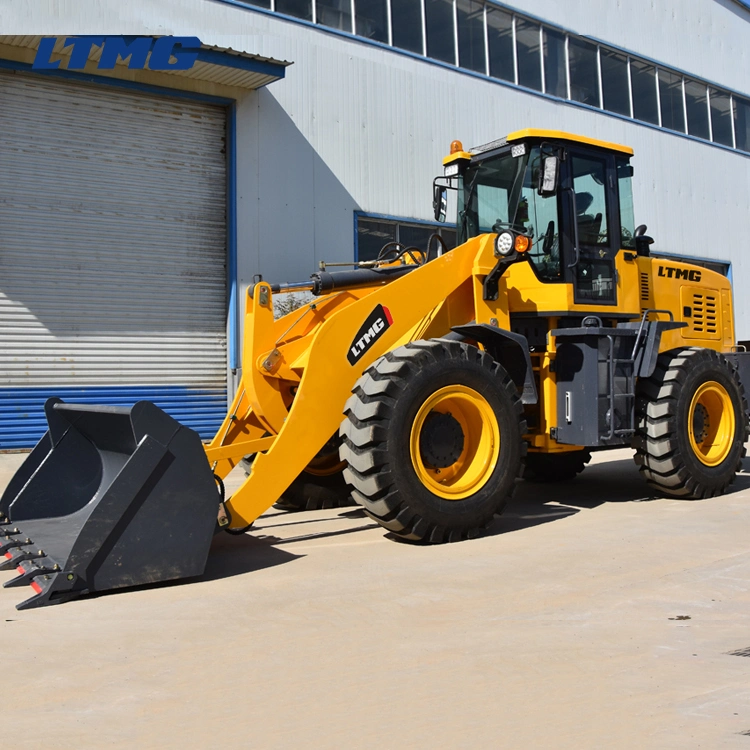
x,y
311,362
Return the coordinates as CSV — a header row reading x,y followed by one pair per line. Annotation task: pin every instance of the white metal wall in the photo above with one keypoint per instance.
x,y
112,244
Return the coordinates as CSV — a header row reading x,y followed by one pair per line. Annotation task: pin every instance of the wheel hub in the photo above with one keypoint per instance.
x,y
441,441
455,442
700,423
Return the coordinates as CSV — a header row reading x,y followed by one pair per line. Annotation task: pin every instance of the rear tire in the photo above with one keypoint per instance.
x,y
433,440
691,424
310,492
555,467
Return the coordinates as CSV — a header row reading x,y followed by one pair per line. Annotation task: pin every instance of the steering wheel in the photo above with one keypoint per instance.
x,y
499,225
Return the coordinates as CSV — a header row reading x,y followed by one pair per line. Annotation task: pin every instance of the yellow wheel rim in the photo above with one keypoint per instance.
x,y
479,452
711,423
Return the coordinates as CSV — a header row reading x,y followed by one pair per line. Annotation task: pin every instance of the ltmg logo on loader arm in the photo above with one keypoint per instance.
x,y
377,323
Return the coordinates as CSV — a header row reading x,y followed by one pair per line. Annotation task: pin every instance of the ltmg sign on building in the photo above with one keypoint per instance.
x,y
145,52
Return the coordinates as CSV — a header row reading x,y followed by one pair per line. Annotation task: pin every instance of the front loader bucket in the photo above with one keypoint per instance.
x,y
110,497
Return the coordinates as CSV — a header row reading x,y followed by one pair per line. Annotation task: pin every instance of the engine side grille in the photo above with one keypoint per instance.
x,y
701,312
704,313
645,289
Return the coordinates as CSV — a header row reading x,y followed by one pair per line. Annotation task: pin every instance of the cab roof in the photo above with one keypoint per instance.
x,y
560,135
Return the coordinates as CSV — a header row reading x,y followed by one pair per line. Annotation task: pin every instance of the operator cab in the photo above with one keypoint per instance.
x,y
571,196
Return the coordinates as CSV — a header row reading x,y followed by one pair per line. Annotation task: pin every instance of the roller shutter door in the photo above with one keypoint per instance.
x,y
112,252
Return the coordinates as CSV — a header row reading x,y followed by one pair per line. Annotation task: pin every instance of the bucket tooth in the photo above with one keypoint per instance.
x,y
15,555
28,570
13,542
53,588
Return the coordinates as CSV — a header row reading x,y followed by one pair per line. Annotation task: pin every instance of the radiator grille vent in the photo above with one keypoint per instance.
x,y
644,287
704,313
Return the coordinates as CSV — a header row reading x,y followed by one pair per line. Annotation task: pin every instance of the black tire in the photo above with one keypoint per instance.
x,y
320,485
555,467
377,440
668,457
311,492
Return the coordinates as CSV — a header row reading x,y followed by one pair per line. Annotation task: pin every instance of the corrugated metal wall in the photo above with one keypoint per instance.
x,y
112,252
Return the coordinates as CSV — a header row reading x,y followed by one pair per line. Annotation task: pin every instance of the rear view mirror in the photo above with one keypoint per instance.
x,y
440,202
549,175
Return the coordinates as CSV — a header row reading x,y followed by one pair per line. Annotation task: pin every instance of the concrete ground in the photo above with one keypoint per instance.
x,y
592,615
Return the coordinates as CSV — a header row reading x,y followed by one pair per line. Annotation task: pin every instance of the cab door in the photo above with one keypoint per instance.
x,y
593,236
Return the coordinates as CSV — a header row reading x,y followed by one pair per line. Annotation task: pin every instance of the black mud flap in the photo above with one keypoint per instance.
x,y
110,497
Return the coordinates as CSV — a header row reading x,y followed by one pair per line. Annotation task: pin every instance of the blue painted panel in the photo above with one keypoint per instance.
x,y
22,420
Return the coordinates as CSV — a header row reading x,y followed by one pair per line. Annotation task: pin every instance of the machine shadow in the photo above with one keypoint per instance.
x,y
616,481
533,504
229,556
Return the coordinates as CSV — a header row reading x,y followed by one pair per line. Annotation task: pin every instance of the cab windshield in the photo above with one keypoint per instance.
x,y
501,193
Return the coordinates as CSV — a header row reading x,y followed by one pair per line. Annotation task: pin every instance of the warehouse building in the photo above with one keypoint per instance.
x,y
137,204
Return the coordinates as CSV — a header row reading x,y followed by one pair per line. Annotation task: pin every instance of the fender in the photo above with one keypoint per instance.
x,y
648,351
510,349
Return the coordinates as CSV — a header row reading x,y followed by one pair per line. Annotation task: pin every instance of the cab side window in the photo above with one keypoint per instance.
x,y
589,184
627,215
594,265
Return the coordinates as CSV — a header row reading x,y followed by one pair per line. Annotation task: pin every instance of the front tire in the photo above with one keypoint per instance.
x,y
691,424
433,440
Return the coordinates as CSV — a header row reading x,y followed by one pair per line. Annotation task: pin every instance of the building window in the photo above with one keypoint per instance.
x,y
670,98
696,107
584,78
334,13
372,19
555,69
470,16
742,123
297,8
721,117
439,23
500,38
406,24
615,86
374,233
528,42
643,81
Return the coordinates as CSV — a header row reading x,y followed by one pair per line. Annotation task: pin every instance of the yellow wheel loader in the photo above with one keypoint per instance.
x,y
422,383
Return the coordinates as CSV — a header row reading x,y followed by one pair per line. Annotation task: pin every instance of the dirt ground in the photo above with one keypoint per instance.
x,y
591,615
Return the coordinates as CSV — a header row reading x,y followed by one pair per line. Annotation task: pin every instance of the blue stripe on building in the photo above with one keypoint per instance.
x,y
22,420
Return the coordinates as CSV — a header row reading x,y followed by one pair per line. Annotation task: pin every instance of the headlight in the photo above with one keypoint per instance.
x,y
451,170
504,243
